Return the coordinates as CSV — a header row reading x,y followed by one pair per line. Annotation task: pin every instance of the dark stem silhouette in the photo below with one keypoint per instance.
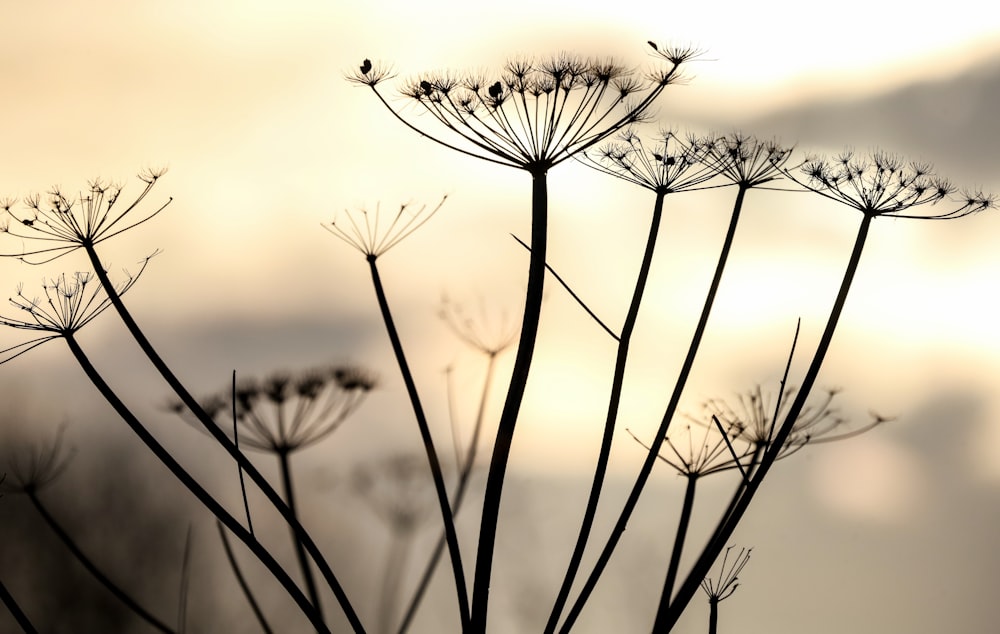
x,y
512,404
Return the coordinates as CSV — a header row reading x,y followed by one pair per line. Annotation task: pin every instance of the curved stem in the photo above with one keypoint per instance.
x,y
512,405
193,486
92,568
661,433
617,385
459,495
220,436
709,555
284,459
425,434
22,619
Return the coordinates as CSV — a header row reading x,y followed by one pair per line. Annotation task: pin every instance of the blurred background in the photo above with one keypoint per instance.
x,y
265,142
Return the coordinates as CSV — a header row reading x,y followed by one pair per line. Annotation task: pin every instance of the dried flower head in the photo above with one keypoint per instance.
x,y
69,304
884,185
723,586
373,234
752,418
370,73
35,466
703,451
533,114
490,332
284,411
668,165
61,224
747,161
398,488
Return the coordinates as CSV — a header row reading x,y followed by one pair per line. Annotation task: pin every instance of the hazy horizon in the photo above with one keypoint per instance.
x,y
265,141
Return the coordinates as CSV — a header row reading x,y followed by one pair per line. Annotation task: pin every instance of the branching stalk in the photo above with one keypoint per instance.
x,y
220,436
708,556
194,487
661,433
465,471
617,385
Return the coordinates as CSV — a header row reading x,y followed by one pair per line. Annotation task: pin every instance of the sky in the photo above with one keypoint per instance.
x,y
265,141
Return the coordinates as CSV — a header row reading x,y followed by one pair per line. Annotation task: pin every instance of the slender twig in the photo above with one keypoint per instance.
x,y
465,471
203,496
572,294
92,568
239,468
244,586
729,445
392,579
15,610
220,436
617,386
647,466
182,595
425,434
284,460
708,556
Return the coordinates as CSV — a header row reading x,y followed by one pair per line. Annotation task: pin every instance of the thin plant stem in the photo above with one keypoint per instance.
x,y
209,424
284,459
572,294
22,619
713,615
465,471
392,577
92,568
244,586
661,433
425,433
512,404
203,496
617,385
679,539
711,552
239,469
185,587
759,447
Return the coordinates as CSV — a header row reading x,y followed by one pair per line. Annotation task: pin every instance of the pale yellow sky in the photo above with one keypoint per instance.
x,y
247,105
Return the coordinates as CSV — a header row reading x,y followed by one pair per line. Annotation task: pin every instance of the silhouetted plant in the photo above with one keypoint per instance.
x,y
284,413
748,164
489,336
373,237
881,185
35,467
63,225
741,434
396,489
531,116
669,166
723,586
72,303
